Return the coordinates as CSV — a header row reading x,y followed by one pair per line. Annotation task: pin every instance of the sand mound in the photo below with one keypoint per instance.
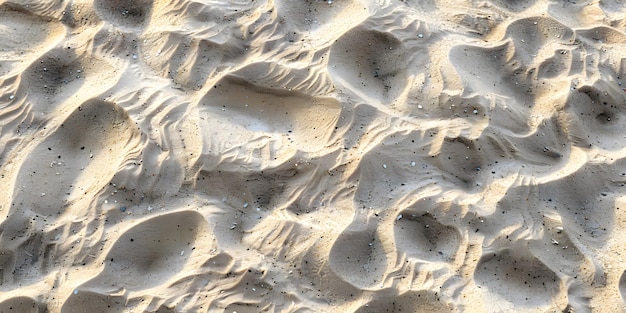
x,y
312,156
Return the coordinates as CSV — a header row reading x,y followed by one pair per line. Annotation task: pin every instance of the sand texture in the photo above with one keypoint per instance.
x,y
307,156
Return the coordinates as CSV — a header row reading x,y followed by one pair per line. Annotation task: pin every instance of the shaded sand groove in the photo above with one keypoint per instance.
x,y
312,156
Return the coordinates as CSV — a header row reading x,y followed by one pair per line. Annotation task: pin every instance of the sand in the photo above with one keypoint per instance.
x,y
312,156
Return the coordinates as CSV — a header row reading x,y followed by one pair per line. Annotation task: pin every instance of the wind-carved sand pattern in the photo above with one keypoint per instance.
x,y
312,156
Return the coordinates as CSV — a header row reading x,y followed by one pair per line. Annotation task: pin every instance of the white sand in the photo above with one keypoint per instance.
x,y
301,156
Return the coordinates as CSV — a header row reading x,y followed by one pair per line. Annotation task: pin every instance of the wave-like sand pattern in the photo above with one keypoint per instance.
x,y
312,156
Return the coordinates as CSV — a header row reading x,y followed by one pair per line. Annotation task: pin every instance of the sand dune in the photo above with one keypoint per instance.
x,y
312,156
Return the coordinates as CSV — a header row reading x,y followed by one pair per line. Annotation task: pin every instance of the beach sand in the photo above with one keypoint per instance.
x,y
312,156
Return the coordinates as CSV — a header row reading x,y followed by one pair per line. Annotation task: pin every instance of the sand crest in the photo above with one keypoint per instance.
x,y
312,156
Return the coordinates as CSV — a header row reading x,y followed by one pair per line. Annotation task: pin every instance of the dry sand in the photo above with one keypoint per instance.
x,y
306,156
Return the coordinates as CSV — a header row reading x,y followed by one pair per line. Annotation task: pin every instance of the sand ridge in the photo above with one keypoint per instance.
x,y
312,156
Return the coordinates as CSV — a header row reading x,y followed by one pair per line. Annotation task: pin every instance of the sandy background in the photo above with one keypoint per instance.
x,y
307,156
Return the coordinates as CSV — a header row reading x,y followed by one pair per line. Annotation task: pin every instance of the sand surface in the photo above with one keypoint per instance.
x,y
307,156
